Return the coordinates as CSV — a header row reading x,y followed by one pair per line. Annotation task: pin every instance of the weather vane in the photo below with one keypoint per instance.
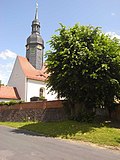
x,y
36,14
36,3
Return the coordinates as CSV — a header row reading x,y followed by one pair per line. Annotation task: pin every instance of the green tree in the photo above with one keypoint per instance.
x,y
84,66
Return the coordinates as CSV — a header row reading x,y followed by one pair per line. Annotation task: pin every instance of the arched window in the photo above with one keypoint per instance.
x,y
42,92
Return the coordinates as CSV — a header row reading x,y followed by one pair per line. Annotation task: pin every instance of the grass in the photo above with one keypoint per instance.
x,y
95,133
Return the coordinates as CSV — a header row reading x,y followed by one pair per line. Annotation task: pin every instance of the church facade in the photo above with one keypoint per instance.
x,y
28,75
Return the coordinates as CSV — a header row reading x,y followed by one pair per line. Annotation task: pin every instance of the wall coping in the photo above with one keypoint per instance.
x,y
35,105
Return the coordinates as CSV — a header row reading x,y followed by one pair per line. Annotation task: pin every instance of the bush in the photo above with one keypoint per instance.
x,y
2,103
85,117
41,98
12,102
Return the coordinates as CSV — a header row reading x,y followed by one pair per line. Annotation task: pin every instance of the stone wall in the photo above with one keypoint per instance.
x,y
116,113
43,111
33,111
103,112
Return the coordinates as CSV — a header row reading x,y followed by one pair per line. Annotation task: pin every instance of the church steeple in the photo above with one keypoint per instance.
x,y
35,43
35,22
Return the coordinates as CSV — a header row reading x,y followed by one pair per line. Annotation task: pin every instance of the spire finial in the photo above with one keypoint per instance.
x,y
36,13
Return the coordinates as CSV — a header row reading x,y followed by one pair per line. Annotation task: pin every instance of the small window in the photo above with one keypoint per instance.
x,y
41,92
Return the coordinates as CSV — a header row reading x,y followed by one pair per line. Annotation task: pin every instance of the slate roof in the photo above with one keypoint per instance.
x,y
7,92
30,72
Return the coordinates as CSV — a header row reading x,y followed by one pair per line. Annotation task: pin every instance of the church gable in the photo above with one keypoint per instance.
x,y
17,79
30,72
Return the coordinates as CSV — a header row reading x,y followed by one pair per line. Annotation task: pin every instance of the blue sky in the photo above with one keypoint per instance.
x,y
16,17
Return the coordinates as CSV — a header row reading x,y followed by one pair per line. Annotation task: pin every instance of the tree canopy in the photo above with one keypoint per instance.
x,y
84,65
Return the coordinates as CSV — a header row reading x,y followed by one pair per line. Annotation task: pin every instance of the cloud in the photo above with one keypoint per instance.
x,y
5,71
6,67
7,60
7,54
3,77
113,35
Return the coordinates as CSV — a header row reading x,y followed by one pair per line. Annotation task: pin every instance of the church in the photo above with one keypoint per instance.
x,y
28,77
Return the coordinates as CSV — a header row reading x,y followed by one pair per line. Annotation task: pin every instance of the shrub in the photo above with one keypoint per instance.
x,y
2,103
12,102
41,98
85,117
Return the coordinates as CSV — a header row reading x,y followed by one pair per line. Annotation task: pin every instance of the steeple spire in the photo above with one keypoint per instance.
x,y
35,22
35,44
36,13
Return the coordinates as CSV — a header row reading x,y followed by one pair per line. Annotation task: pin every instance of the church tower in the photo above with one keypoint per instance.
x,y
35,44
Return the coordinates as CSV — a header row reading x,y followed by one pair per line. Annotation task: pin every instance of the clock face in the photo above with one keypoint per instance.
x,y
39,47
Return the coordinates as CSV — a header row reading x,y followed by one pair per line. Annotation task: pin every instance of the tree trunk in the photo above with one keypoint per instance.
x,y
109,112
72,109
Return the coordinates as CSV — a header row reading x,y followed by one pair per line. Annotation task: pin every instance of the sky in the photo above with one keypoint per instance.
x,y
16,17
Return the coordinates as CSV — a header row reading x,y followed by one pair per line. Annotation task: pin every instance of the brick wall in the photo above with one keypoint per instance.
x,y
32,111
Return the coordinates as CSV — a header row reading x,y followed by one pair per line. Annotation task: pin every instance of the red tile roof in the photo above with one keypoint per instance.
x,y
7,92
30,72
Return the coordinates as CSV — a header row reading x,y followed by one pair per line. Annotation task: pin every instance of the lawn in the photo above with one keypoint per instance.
x,y
96,133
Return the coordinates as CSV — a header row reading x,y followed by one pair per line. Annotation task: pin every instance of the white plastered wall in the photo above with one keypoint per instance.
x,y
18,80
33,90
